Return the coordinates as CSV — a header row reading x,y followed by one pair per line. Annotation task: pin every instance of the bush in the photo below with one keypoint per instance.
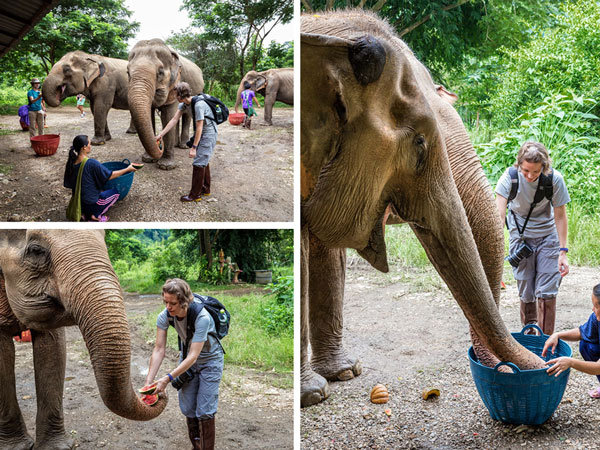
x,y
169,262
277,315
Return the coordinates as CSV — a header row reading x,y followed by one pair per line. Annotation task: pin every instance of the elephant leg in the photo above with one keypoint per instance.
x,y
269,102
100,112
167,162
326,301
131,129
107,136
314,387
185,131
49,361
13,432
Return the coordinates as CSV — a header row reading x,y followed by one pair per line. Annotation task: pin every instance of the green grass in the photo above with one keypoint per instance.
x,y
7,132
247,344
5,168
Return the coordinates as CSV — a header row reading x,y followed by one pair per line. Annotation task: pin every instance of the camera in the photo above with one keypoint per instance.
x,y
190,143
186,376
523,251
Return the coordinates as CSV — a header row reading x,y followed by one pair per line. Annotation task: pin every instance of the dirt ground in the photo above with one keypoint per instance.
x,y
410,334
254,413
252,173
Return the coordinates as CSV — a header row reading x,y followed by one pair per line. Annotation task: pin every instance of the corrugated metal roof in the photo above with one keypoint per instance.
x,y
17,18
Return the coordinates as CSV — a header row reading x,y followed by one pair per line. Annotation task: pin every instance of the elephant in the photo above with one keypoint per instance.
x,y
50,279
154,70
380,139
273,84
102,80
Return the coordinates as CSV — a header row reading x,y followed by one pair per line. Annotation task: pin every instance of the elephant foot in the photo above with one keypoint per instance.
x,y
148,159
267,124
340,368
108,137
167,164
54,443
181,145
98,140
314,389
21,443
131,130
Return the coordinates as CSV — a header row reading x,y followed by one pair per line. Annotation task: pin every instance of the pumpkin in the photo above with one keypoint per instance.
x,y
379,394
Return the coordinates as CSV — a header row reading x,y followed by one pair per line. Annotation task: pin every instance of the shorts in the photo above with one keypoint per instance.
x,y
537,275
199,397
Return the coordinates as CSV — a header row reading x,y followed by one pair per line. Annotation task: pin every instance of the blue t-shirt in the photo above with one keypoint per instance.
x,y
94,177
203,327
37,105
589,330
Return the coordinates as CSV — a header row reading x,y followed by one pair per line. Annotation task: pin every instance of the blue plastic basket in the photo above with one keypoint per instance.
x,y
526,396
122,183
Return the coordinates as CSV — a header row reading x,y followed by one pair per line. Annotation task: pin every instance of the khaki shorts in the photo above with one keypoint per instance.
x,y
537,275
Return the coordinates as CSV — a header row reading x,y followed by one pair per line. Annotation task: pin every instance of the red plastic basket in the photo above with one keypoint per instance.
x,y
25,336
24,126
236,118
45,144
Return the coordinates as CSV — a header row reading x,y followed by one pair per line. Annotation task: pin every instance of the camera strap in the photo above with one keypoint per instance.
x,y
538,197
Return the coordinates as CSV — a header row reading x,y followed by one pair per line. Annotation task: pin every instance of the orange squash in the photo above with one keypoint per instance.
x,y
379,394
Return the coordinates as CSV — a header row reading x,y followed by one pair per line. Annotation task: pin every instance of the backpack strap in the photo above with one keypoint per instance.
x,y
514,179
193,310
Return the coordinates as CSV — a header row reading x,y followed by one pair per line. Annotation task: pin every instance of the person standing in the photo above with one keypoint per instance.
x,y
36,108
200,369
80,103
203,142
538,227
248,96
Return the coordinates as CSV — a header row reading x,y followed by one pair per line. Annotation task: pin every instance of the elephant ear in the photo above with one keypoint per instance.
x,y
175,77
445,94
333,71
92,69
261,82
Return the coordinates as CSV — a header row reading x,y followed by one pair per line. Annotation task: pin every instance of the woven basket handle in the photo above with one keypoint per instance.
x,y
515,369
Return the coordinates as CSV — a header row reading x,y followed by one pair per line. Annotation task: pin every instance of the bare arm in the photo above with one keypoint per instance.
x,y
170,125
192,356
118,173
501,203
158,354
560,217
572,335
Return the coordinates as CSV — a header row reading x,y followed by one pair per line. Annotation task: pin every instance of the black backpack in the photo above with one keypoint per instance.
x,y
218,108
217,311
545,188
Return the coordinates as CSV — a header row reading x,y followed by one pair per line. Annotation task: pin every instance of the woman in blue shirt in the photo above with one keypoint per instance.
x,y
94,201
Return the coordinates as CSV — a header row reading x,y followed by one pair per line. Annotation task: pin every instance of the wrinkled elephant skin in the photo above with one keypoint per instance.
x,y
50,279
154,70
102,80
273,84
380,140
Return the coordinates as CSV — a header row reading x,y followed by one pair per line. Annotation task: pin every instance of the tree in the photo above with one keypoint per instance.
x,y
93,26
244,22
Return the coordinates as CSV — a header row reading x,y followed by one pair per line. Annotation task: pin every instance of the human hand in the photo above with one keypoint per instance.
x,y
161,385
552,341
563,265
131,168
559,365
192,153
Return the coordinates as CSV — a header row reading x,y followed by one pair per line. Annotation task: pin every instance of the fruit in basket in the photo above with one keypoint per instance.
x,y
379,394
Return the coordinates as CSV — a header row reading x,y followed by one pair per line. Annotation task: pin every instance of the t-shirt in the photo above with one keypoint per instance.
x,y
589,330
37,105
203,326
202,112
80,100
93,179
247,97
541,223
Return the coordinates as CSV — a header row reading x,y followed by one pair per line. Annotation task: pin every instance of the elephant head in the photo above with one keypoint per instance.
x,y
374,133
153,71
70,76
55,278
258,83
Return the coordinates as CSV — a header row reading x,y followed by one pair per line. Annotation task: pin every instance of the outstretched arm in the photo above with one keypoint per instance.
x,y
170,125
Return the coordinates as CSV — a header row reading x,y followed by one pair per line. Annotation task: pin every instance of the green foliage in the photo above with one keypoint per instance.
x,y
403,247
566,57
276,56
277,315
126,245
94,26
584,229
564,124
171,261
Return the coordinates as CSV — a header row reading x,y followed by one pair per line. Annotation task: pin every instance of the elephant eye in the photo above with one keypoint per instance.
x,y
161,72
36,255
420,140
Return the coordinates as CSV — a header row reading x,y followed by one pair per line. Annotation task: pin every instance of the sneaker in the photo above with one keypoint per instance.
x,y
83,115
594,393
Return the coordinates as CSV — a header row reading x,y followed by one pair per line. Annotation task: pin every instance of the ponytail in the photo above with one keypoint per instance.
x,y
79,142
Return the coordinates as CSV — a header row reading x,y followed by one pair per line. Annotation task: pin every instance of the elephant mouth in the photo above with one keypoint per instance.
x,y
60,92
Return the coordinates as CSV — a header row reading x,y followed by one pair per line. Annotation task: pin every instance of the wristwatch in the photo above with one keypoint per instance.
x,y
563,249
194,146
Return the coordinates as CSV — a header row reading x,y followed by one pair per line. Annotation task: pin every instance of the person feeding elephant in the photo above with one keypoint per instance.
x,y
87,177
203,142
198,375
536,196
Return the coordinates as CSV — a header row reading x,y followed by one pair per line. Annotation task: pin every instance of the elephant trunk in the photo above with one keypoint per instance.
x,y
239,94
141,93
95,300
450,246
52,91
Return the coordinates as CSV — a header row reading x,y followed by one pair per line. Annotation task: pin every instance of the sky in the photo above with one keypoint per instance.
x,y
161,19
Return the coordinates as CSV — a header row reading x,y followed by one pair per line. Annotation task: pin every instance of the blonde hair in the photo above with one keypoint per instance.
x,y
180,289
534,152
